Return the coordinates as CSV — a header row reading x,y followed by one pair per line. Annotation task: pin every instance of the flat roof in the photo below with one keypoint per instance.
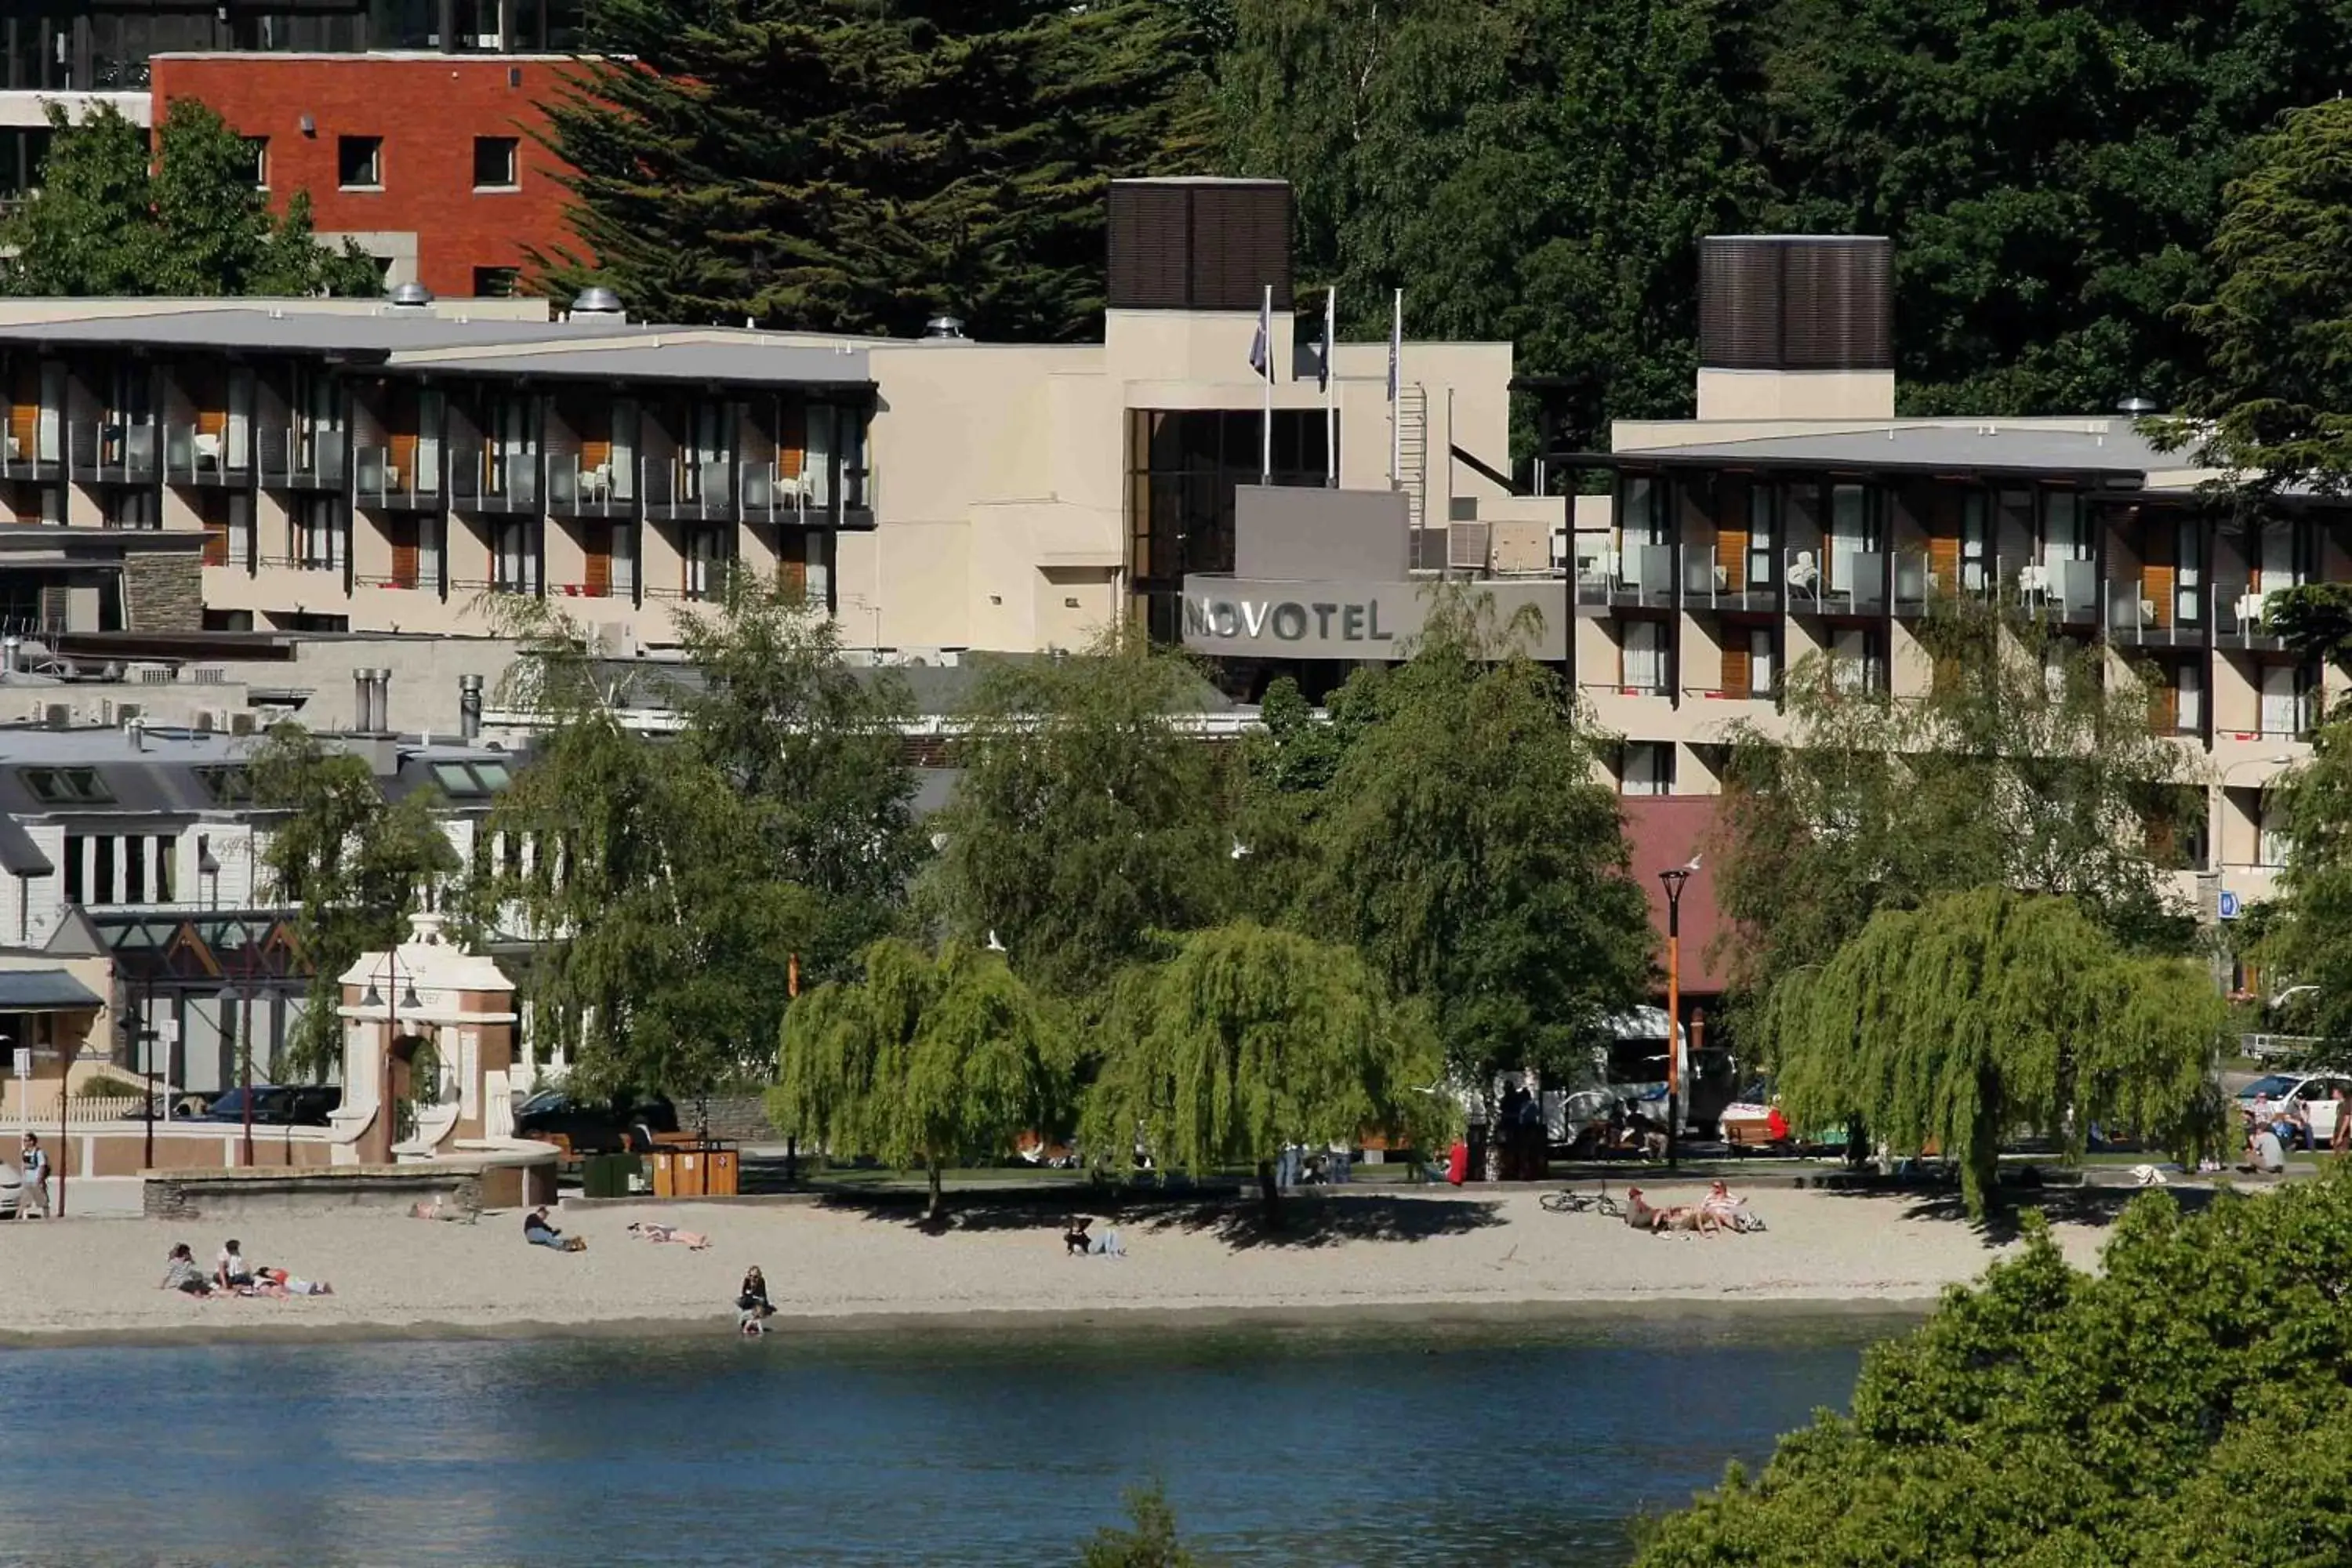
x,y
747,360
1940,448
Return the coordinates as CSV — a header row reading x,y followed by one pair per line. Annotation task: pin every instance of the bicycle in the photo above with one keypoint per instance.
x,y
1566,1201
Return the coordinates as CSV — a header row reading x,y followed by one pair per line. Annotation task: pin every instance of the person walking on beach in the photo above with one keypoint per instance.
x,y
33,1174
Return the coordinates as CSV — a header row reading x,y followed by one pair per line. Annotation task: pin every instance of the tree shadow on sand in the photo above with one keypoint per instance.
x,y
1237,1220
2070,1204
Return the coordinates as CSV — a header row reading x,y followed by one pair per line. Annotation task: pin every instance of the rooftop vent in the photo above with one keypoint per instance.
x,y
944,329
596,302
2137,407
1795,302
411,296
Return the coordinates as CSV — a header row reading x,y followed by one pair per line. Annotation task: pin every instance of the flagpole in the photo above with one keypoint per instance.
x,y
1330,390
1265,424
1396,394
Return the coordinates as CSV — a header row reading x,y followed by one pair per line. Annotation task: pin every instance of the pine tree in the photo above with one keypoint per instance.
x,y
843,166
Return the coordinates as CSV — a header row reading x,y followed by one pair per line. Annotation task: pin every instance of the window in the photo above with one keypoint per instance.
x,y
496,282
66,786
259,146
74,842
1645,659
359,162
1183,467
1761,679
230,785
135,870
318,534
1649,768
494,164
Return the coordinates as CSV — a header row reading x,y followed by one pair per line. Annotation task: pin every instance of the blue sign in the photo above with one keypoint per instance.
x,y
2229,909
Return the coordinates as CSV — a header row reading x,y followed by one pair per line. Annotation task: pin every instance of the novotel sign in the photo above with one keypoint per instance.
x,y
1349,620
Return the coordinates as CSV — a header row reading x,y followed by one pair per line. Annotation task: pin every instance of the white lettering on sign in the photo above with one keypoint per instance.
x,y
1230,619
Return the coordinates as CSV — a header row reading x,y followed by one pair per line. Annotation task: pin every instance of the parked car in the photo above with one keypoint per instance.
x,y
2311,1094
621,1126
10,1185
277,1105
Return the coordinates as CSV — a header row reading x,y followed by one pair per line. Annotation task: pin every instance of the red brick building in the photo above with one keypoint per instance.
x,y
429,161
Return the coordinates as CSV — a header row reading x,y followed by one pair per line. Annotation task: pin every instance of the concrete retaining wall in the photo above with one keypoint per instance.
x,y
466,1189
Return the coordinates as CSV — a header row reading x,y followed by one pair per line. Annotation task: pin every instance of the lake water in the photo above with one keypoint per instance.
x,y
1527,1444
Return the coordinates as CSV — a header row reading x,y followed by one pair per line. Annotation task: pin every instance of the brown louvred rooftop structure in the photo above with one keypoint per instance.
x,y
1197,244
1795,302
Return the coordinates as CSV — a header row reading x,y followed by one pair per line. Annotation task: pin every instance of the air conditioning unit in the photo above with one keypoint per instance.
x,y
58,716
129,712
204,720
241,724
1467,545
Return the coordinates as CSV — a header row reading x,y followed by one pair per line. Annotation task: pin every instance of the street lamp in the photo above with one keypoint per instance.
x,y
1673,881
375,998
230,996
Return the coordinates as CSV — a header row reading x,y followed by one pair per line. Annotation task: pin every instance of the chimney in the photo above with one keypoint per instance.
x,y
1796,326
383,703
469,708
363,699
12,648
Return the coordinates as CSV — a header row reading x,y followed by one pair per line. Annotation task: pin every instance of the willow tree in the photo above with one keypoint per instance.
x,y
658,930
922,1062
1248,1040
1086,815
1986,1014
2029,761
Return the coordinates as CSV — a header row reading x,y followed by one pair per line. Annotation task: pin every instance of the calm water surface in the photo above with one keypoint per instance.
x,y
1526,1446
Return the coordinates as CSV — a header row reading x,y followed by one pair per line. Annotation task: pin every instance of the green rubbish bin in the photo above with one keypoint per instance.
x,y
609,1175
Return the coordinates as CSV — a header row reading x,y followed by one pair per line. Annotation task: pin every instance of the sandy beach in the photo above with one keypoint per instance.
x,y
96,1278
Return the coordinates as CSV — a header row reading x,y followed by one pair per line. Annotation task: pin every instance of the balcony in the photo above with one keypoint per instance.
x,y
1740,580
2241,616
193,456
1839,582
380,481
1634,575
687,490
113,452
2150,613
805,499
414,578
492,479
604,490
295,459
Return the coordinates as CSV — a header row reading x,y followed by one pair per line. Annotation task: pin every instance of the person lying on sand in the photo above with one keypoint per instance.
x,y
276,1284
693,1240
1641,1215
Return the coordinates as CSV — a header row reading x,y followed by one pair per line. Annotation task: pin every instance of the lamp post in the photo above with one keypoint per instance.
x,y
230,996
1673,881
375,998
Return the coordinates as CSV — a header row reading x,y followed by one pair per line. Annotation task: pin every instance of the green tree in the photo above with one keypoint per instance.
x,y
659,934
2276,400
2029,762
2309,932
103,222
1248,1040
928,156
1534,170
1153,1543
923,1062
814,751
351,864
1465,848
1085,817
1984,1014
2049,1416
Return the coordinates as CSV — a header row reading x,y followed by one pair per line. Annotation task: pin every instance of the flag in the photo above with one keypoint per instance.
x,y
1262,346
1330,322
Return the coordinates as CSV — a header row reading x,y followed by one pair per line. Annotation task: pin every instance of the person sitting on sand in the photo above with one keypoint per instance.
x,y
230,1270
2266,1154
753,1307
693,1240
1641,1215
1075,1240
540,1232
180,1273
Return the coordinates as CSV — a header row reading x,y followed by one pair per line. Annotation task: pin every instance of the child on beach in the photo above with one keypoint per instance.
x,y
753,1308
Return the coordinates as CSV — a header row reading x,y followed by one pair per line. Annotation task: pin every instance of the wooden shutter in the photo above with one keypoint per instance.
x,y
404,552
1736,676
2164,704
597,539
25,407
792,439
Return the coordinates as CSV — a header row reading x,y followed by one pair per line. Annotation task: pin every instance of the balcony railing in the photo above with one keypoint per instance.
x,y
492,479
304,562
120,452
2242,613
2153,614
592,489
1739,579
1612,573
294,459
379,479
198,457
1843,582
823,499
686,489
